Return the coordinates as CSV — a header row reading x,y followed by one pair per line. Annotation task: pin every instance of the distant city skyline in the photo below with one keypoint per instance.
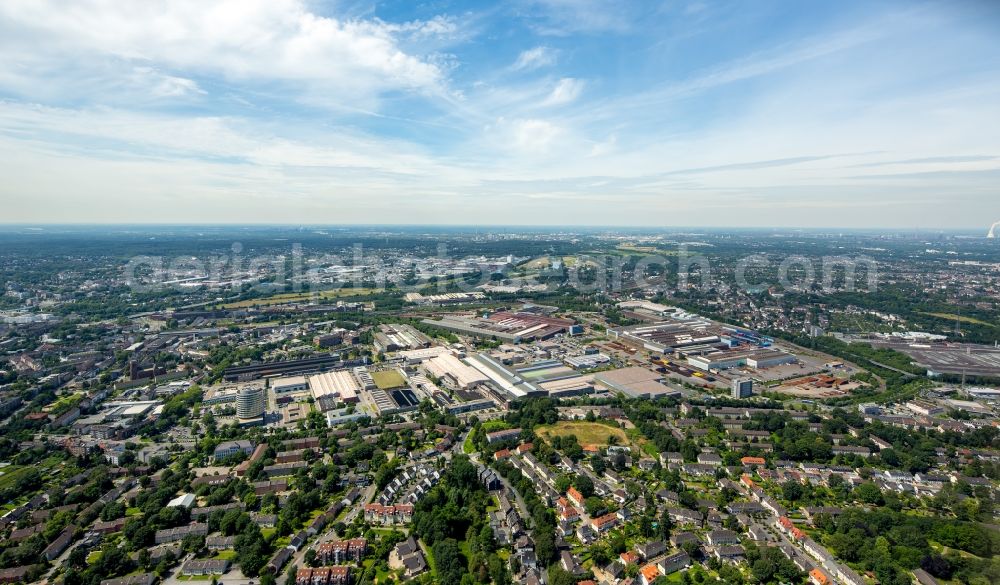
x,y
529,112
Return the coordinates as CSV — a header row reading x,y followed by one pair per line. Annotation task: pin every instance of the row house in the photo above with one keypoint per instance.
x,y
673,563
848,576
176,534
710,458
210,480
198,513
504,435
278,560
651,549
262,488
851,450
817,551
649,574
342,551
57,546
729,553
280,469
749,434
759,446
684,516
265,520
491,482
205,567
575,496
564,528
699,469
290,456
772,505
386,515
25,533
810,512
671,457
335,575
303,443
679,539
669,497
569,514
258,454
722,537
604,523
108,527
818,576
217,543
585,533
748,508
789,528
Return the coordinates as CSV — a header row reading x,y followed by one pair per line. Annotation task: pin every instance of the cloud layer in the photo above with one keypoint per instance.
x,y
534,112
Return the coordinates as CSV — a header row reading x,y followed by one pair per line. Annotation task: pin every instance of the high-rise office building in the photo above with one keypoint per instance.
x,y
250,403
742,388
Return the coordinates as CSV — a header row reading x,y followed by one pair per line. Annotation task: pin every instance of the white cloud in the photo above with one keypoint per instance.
x,y
535,135
566,90
604,147
534,59
165,86
439,26
264,41
130,135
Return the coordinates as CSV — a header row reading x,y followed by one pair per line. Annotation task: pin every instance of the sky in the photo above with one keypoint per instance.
x,y
523,112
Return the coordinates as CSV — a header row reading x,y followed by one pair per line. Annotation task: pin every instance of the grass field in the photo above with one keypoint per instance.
x,y
587,433
494,425
64,403
226,555
633,249
537,263
953,317
286,298
388,379
11,475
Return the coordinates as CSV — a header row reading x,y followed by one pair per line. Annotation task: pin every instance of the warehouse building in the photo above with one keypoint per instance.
x,y
666,337
289,384
635,382
585,362
511,386
341,385
567,387
394,337
415,356
754,358
506,326
451,369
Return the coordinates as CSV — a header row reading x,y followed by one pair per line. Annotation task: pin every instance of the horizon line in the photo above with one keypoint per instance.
x,y
486,226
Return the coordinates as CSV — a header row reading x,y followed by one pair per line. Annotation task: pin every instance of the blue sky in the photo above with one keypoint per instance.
x,y
546,112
